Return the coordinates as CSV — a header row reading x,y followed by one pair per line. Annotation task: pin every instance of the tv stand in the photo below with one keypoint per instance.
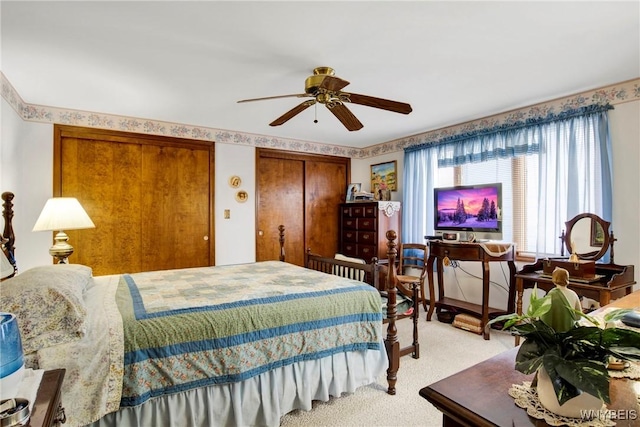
x,y
480,252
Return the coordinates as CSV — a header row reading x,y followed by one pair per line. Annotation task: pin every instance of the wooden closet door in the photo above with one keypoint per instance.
x,y
303,193
280,201
149,197
175,208
105,178
325,189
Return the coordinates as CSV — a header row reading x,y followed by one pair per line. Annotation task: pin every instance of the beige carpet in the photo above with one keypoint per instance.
x,y
444,350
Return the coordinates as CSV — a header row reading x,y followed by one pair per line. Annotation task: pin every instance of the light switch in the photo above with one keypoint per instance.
x,y
227,213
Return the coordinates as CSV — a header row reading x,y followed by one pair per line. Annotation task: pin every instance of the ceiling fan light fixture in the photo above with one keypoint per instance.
x,y
324,88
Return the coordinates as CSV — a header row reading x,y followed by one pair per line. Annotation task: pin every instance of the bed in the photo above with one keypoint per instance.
x,y
227,345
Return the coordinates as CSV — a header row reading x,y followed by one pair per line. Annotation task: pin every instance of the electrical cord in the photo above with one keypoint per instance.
x,y
456,265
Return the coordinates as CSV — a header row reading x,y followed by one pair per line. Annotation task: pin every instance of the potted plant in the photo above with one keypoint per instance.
x,y
573,354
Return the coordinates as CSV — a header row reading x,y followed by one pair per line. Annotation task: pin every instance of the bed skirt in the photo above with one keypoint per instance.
x,y
258,401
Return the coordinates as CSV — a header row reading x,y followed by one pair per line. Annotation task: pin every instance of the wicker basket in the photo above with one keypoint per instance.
x,y
468,323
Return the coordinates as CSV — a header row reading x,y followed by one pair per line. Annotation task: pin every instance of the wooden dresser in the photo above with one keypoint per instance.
x,y
363,226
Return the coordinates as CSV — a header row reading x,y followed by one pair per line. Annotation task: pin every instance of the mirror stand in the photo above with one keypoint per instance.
x,y
611,240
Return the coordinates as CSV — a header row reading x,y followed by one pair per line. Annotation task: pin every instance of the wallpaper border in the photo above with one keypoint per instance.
x,y
613,94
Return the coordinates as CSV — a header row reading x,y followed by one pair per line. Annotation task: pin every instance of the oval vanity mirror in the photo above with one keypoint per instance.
x,y
587,236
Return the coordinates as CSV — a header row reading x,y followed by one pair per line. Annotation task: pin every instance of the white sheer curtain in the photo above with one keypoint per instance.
x,y
574,176
417,209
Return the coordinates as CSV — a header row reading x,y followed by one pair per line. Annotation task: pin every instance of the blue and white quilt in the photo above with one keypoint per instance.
x,y
213,325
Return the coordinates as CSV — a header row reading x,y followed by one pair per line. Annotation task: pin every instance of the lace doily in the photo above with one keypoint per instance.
x,y
497,249
526,397
389,208
633,372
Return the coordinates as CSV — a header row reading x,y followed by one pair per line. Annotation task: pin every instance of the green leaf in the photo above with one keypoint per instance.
x,y
538,306
509,319
563,389
620,337
618,314
626,353
529,357
585,375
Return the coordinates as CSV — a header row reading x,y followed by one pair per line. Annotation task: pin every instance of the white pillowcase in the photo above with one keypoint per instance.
x,y
340,257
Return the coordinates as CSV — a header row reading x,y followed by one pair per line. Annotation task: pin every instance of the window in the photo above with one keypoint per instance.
x,y
551,169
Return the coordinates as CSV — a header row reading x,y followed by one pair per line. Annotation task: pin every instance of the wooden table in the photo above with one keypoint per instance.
x,y
46,410
463,251
478,396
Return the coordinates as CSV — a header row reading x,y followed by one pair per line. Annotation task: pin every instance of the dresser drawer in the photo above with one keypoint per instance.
x,y
350,249
366,252
350,223
346,211
366,238
366,223
357,211
350,236
370,211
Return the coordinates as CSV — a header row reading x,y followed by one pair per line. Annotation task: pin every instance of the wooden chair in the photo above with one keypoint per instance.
x,y
374,274
413,256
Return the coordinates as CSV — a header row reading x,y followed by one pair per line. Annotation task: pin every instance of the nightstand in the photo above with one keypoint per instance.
x,y
47,410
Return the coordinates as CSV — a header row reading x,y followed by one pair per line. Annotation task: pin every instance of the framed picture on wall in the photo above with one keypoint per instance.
x,y
384,178
352,189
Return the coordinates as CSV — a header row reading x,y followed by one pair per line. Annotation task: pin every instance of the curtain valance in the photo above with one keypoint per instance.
x,y
503,141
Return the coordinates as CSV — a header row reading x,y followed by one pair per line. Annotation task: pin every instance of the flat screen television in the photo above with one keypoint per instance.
x,y
469,211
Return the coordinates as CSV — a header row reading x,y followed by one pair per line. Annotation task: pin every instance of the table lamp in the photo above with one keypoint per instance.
x,y
58,214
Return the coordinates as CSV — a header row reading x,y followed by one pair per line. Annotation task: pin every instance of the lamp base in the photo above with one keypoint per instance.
x,y
61,250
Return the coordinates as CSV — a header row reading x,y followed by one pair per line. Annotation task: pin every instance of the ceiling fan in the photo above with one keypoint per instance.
x,y
324,88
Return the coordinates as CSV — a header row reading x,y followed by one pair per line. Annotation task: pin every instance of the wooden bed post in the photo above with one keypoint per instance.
x,y
281,240
8,238
391,342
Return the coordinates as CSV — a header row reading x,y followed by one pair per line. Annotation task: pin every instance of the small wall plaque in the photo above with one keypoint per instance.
x,y
235,181
242,196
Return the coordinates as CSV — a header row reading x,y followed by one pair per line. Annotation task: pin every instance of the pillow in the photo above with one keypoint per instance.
x,y
48,303
340,257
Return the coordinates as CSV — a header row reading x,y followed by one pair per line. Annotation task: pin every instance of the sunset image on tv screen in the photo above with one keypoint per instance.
x,y
468,208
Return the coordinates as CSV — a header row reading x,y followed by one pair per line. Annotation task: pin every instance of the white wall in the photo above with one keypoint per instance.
x,y
624,125
235,237
26,169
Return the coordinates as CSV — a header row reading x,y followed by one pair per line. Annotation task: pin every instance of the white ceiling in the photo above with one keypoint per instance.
x,y
189,62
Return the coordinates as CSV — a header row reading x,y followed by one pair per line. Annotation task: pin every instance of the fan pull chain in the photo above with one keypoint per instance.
x,y
315,112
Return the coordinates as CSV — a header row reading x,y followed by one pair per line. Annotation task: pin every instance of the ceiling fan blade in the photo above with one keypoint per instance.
x,y
384,104
292,113
347,118
333,84
295,95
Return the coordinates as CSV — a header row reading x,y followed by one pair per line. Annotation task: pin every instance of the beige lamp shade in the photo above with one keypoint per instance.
x,y
59,214
63,213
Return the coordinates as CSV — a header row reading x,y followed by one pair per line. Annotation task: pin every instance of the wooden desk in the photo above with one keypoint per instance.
x,y
478,396
468,252
617,282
